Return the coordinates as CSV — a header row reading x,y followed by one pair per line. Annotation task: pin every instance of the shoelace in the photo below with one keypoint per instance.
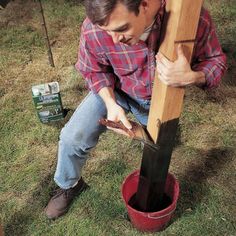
x,y
59,192
68,192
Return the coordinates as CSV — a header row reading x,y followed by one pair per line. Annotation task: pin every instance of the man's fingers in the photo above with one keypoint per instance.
x,y
126,123
162,69
119,131
180,51
163,60
163,79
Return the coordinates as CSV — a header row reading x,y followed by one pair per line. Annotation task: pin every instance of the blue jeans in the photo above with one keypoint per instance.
x,y
82,132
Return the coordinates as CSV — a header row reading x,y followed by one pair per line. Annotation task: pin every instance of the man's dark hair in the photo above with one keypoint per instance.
x,y
99,11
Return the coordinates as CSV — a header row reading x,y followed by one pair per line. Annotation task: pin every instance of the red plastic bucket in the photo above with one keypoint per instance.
x,y
150,221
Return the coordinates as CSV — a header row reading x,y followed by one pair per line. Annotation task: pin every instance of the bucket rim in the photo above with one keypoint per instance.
x,y
166,211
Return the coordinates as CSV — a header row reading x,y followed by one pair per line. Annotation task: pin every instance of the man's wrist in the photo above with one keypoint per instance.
x,y
199,78
108,96
109,101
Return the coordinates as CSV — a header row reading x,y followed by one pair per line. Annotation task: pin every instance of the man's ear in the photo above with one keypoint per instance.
x,y
144,4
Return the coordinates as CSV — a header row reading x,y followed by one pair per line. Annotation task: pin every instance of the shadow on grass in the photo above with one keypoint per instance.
x,y
59,124
193,184
20,220
230,51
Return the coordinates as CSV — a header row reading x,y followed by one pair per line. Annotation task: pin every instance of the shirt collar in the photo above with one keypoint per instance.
x,y
153,39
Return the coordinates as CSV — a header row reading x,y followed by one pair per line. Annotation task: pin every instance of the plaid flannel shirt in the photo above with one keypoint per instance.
x,y
131,68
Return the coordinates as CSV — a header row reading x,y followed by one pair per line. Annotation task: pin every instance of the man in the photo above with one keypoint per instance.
x,y
117,57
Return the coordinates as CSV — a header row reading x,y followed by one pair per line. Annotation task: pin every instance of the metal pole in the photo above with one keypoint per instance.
x,y
50,56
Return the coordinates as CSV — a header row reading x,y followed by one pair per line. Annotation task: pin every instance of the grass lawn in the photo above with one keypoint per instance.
x,y
203,160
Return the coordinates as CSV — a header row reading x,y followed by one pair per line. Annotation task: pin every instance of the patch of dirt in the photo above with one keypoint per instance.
x,y
220,95
17,12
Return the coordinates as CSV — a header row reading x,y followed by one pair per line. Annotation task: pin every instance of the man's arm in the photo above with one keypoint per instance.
x,y
208,64
94,67
114,111
179,72
208,56
98,73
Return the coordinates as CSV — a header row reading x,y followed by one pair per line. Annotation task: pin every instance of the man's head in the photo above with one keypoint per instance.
x,y
124,20
99,11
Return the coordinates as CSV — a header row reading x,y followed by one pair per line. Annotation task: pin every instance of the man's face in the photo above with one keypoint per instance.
x,y
124,26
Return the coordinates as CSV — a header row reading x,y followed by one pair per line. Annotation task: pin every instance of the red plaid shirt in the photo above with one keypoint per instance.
x,y
131,68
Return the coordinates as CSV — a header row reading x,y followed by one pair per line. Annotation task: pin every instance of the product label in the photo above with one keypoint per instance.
x,y
47,102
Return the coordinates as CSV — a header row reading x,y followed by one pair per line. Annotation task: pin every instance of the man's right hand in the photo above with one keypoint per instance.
x,y
114,112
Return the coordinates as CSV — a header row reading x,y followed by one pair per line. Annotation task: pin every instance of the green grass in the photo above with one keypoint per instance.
x,y
203,158
223,12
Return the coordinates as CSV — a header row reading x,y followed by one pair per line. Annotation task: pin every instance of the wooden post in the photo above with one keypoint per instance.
x,y
180,26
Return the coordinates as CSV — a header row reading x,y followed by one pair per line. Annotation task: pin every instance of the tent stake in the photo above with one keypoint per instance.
x,y
50,56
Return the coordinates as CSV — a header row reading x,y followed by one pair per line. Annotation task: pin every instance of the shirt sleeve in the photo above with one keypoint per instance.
x,y
93,64
208,56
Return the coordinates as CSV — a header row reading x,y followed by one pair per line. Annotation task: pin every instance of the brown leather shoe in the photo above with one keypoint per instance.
x,y
60,202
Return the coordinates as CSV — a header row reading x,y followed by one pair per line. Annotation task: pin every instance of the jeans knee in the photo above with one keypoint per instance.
x,y
80,140
72,147
69,136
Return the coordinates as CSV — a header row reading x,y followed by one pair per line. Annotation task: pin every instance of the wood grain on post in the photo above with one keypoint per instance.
x,y
180,26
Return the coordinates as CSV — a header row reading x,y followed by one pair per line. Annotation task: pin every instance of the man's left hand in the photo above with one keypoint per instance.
x,y
177,73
